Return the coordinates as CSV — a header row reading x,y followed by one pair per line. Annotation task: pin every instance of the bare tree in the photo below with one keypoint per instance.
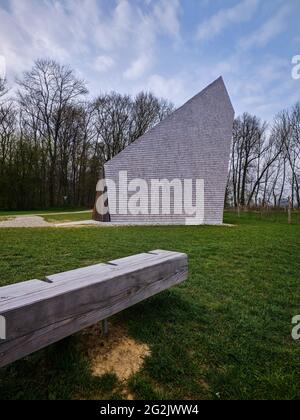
x,y
248,147
113,123
120,120
287,129
45,95
3,87
54,142
8,123
147,111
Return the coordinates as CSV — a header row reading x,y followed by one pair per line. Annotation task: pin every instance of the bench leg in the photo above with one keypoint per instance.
x,y
105,328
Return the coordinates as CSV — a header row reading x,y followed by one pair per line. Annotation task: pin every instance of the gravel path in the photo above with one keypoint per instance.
x,y
25,222
37,221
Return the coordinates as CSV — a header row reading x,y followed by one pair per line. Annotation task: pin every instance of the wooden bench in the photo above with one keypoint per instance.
x,y
41,312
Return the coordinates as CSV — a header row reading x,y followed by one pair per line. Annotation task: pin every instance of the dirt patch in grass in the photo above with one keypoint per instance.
x,y
118,353
24,222
5,219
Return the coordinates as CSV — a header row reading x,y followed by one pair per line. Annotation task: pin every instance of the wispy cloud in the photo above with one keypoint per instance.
x,y
103,63
115,30
217,23
138,67
171,87
130,45
167,14
162,19
35,28
70,30
268,31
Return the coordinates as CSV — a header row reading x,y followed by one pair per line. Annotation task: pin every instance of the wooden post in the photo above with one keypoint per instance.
x,y
290,211
105,328
239,209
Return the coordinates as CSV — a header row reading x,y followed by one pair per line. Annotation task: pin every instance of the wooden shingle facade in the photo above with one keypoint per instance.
x,y
192,143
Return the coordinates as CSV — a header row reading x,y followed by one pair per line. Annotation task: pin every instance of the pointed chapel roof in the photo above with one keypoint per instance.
x,y
216,90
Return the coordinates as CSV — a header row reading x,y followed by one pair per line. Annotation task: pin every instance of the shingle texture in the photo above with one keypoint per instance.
x,y
192,143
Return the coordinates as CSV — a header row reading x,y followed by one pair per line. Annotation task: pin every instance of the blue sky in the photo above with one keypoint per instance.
x,y
171,47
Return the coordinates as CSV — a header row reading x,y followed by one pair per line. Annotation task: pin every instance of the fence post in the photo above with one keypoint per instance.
x,y
290,211
239,209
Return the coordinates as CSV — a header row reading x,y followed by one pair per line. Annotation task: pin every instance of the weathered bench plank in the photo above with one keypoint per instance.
x,y
48,312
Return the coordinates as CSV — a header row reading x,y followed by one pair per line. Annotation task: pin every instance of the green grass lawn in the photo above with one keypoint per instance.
x,y
225,333
4,213
68,217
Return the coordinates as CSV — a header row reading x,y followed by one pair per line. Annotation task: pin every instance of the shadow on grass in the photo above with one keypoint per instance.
x,y
56,373
60,372
169,325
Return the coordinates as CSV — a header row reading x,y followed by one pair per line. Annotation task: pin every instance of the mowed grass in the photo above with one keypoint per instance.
x,y
68,217
55,210
224,334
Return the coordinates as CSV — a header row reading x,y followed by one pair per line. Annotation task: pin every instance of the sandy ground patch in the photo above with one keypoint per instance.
x,y
118,353
24,222
110,224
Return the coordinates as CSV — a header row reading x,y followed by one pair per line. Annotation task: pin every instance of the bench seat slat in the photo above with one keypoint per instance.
x,y
20,289
146,256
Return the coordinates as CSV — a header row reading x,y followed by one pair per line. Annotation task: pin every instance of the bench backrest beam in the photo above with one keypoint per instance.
x,y
40,313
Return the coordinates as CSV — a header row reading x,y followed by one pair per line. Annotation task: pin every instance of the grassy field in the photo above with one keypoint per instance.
x,y
52,216
68,217
4,213
224,334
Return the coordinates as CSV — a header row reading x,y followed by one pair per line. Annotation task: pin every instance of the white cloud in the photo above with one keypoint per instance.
x,y
75,32
39,28
143,54
163,18
214,26
103,63
269,30
260,87
86,34
114,31
130,43
172,88
167,13
138,67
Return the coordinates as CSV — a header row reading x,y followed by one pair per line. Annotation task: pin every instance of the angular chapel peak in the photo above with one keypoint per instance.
x,y
217,87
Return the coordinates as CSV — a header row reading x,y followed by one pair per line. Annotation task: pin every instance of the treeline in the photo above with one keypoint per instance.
x,y
265,161
54,140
